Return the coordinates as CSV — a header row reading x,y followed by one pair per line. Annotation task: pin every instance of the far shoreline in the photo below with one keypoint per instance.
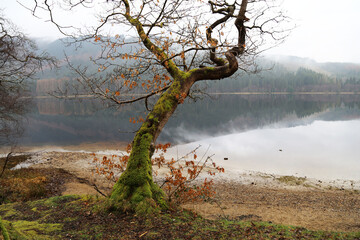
x,y
287,93
215,93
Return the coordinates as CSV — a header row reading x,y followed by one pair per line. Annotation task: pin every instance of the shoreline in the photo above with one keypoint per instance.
x,y
86,146
240,195
52,156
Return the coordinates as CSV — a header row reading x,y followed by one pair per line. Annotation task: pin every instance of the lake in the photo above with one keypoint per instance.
x,y
304,135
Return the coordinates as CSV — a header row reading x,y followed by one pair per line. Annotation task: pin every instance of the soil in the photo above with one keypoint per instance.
x,y
330,210
300,203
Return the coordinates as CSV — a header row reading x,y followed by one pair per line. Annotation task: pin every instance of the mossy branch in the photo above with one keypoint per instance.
x,y
166,62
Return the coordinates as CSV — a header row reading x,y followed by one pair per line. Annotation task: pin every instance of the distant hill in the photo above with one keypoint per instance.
x,y
59,47
337,69
80,53
281,74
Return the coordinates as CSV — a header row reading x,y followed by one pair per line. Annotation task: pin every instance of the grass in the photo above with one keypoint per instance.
x,y
28,183
86,217
292,180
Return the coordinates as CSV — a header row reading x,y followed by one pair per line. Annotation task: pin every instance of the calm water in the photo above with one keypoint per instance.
x,y
321,149
315,136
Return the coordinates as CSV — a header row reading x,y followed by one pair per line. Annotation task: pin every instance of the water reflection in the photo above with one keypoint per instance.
x,y
60,122
322,149
238,113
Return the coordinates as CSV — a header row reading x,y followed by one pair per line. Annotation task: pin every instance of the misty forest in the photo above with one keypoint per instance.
x,y
173,119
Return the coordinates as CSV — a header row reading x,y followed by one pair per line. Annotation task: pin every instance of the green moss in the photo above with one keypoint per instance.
x,y
7,210
164,105
141,193
33,230
147,207
55,201
135,189
4,231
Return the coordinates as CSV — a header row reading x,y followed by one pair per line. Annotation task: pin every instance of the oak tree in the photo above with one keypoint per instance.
x,y
156,51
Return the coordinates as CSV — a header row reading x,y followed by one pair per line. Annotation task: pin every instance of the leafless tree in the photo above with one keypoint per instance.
x,y
19,62
160,49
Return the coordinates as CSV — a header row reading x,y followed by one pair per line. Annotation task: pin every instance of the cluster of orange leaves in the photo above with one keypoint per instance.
x,y
138,120
106,165
181,97
179,184
156,84
97,38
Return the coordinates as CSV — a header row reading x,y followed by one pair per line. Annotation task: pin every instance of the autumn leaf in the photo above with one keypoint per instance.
x,y
97,38
182,55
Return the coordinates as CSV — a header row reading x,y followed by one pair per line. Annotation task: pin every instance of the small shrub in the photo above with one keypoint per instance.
x,y
181,180
22,185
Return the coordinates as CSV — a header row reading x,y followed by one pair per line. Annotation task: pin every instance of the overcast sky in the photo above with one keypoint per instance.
x,y
328,30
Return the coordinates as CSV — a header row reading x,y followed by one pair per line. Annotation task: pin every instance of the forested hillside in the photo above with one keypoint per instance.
x,y
278,78
277,74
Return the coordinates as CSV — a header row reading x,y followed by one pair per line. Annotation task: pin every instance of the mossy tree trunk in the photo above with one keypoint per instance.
x,y
135,190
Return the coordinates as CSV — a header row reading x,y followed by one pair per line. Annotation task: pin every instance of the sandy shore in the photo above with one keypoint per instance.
x,y
314,204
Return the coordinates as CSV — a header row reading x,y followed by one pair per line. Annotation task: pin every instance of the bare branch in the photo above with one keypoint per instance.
x,y
19,62
5,163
